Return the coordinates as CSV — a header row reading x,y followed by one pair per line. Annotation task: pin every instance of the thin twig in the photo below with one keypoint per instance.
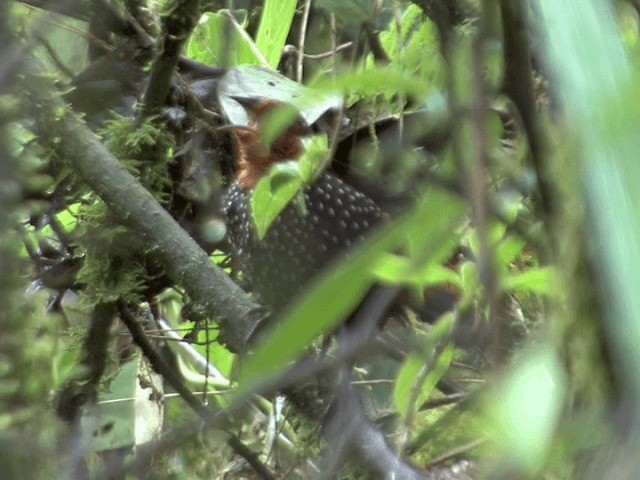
x,y
442,401
329,54
334,43
173,378
457,451
301,40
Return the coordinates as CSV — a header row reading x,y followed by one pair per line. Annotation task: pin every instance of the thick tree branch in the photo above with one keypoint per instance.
x,y
132,205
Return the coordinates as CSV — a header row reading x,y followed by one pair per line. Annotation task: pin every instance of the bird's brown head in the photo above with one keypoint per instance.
x,y
254,159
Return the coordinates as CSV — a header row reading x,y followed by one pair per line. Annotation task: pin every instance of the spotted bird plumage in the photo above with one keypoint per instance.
x,y
300,243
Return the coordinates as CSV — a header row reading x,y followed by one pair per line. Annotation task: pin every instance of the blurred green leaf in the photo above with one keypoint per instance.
x,y
273,192
378,80
210,40
408,395
283,181
470,282
523,411
415,48
275,24
337,292
276,121
509,249
600,89
535,280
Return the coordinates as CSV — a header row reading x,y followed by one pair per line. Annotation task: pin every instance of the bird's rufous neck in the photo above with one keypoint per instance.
x,y
254,161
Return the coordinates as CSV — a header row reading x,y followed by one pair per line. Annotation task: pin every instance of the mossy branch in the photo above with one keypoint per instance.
x,y
176,28
136,208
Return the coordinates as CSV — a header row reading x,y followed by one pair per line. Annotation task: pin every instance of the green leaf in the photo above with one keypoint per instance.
x,y
428,242
282,182
599,89
272,194
397,269
131,412
276,121
536,280
210,41
523,411
337,292
509,249
392,268
421,371
374,81
419,50
470,282
275,24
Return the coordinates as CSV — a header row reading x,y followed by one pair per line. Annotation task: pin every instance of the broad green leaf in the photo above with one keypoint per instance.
x,y
282,182
276,121
392,268
599,92
509,249
272,194
211,40
275,24
326,304
536,280
438,274
131,413
316,150
397,269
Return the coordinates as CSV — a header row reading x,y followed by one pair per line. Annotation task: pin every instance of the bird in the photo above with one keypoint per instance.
x,y
300,243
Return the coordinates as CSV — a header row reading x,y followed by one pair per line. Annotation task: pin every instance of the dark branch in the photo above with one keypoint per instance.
x,y
176,28
174,379
82,390
519,86
349,431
